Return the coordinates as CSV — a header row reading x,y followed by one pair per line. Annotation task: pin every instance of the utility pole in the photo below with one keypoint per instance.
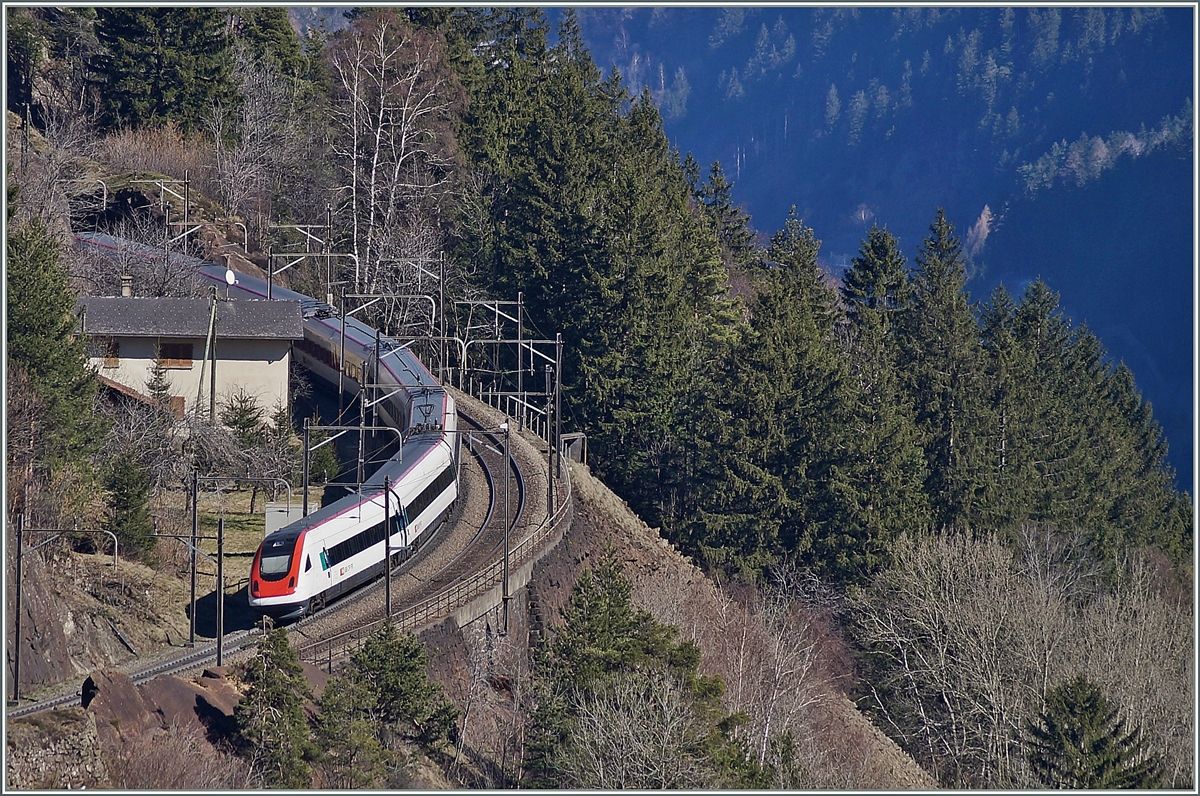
x,y
504,426
558,347
387,545
195,534
17,641
549,452
220,589
304,488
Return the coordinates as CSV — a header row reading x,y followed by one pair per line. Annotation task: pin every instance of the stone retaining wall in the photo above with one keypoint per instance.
x,y
55,750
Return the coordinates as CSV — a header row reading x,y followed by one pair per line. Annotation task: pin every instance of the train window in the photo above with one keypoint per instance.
x,y
307,563
276,558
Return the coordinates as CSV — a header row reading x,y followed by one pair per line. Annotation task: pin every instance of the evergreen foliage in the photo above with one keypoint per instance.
x,y
1079,742
272,730
730,222
877,282
159,386
244,417
352,756
383,697
787,409
270,35
879,479
161,64
391,666
942,359
605,645
42,338
594,224
128,486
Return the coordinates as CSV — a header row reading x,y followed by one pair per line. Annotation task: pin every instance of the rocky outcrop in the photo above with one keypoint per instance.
x,y
55,750
124,710
79,615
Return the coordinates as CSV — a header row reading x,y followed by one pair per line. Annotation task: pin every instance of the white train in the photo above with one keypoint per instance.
x,y
305,564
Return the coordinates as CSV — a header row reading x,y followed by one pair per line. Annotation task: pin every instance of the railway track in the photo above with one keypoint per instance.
x,y
458,565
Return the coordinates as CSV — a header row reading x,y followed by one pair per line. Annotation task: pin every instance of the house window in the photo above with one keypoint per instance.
x,y
107,348
175,355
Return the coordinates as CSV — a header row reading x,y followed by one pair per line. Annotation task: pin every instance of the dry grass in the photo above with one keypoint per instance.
x,y
175,759
159,150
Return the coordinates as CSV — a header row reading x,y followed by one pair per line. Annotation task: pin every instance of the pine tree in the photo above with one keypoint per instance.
x,y
271,726
1071,442
942,360
879,479
606,640
1079,742
161,64
128,487
395,686
352,756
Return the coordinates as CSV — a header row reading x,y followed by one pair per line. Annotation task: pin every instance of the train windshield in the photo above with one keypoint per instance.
x,y
276,557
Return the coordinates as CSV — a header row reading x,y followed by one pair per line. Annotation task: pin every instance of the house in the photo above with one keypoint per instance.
x,y
128,336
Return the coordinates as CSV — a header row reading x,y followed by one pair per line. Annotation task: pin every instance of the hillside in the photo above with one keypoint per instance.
x,y
475,666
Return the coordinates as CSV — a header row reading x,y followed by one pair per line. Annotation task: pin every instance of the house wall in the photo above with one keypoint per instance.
x,y
260,367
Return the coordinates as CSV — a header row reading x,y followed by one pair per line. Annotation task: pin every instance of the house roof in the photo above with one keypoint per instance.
x,y
176,317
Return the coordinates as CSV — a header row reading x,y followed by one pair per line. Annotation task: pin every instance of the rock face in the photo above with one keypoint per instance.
x,y
124,711
80,615
55,750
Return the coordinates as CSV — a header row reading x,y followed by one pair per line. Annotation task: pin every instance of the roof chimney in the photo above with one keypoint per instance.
x,y
126,285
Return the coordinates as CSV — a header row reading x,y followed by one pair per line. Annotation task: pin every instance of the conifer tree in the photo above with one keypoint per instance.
x,y
271,726
606,641
270,35
787,410
877,280
942,361
351,754
42,338
879,478
397,691
161,64
1079,742
730,222
128,485
323,463
244,417
1009,484
159,386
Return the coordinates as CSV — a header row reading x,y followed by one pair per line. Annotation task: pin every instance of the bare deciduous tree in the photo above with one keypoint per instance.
x,y
158,270
254,141
392,97
138,764
638,731
964,638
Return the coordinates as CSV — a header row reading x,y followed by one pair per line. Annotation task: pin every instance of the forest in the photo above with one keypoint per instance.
x,y
972,483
